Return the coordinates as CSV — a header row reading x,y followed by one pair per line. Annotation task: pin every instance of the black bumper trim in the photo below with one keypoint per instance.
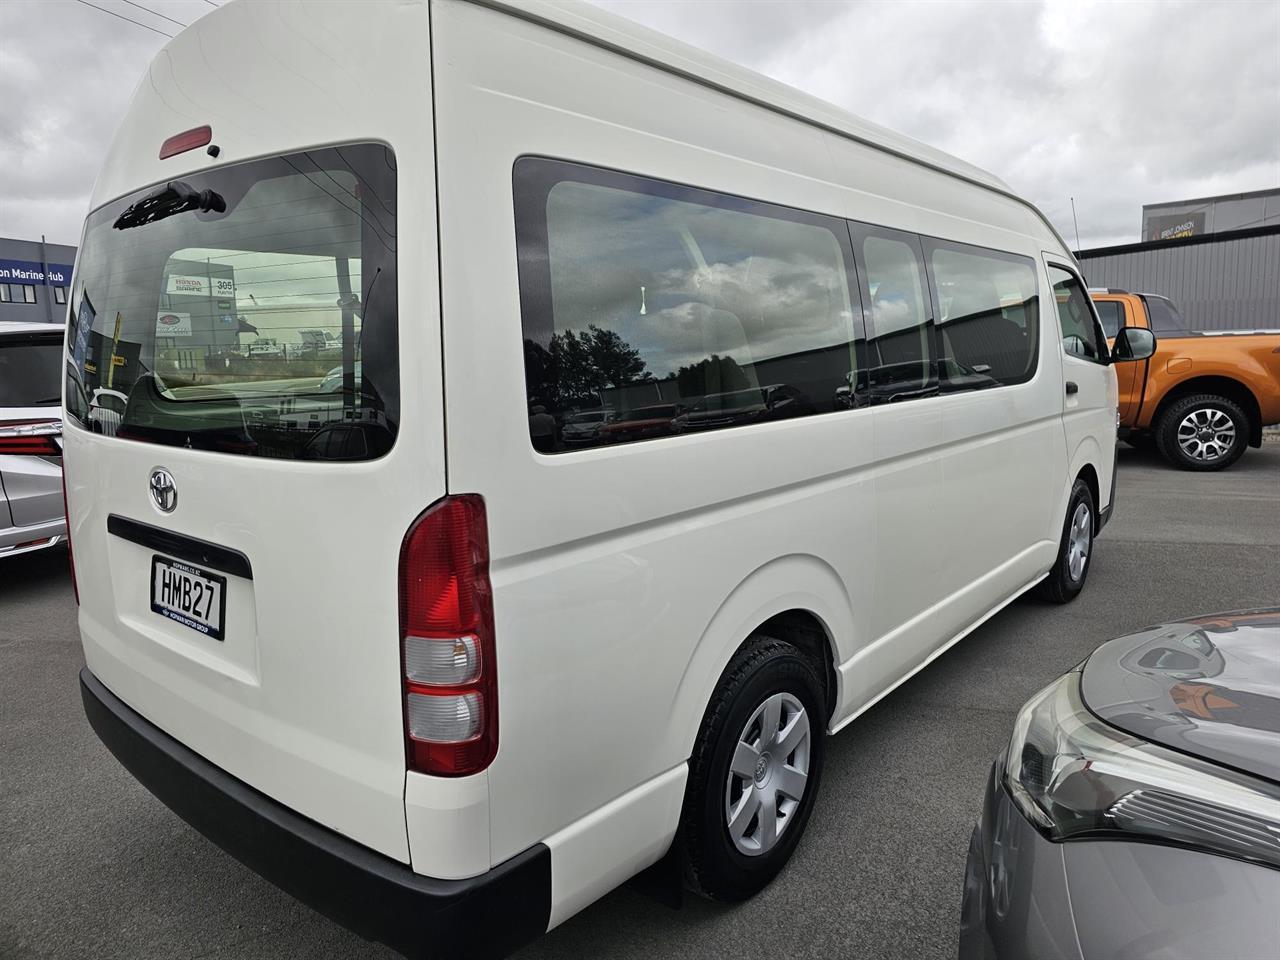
x,y
371,894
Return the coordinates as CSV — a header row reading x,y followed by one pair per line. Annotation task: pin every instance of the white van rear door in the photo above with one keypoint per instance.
x,y
237,523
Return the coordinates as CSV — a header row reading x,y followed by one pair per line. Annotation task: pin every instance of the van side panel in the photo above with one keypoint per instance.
x,y
625,576
594,553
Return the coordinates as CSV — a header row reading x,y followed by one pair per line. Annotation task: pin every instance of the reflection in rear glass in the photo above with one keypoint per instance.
x,y
248,310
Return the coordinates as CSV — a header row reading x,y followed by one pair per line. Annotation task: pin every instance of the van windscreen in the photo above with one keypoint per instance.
x,y
249,309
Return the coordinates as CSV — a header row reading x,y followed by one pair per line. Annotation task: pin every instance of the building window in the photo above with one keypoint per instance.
x,y
59,294
28,293
5,295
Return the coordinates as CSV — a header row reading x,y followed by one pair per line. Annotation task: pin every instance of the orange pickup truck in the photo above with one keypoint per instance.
x,y
1203,397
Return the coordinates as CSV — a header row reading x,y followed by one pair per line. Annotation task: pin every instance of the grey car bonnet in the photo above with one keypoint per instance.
x,y
1208,687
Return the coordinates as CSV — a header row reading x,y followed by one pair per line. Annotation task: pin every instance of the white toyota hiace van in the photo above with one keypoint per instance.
x,y
631,423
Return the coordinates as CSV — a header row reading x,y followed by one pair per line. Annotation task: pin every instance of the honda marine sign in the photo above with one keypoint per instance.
x,y
200,286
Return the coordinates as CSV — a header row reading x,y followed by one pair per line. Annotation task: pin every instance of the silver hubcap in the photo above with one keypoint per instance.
x,y
1079,539
767,775
1206,434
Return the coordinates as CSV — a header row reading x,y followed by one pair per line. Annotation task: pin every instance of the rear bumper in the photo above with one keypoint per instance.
x,y
37,536
370,894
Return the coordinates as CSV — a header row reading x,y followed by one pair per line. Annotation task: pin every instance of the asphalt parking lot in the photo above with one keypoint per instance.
x,y
92,866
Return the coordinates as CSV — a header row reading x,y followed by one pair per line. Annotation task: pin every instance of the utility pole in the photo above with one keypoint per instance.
x,y
1075,221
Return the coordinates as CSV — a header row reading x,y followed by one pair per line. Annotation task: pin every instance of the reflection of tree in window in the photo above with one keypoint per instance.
x,y
714,280
689,299
710,375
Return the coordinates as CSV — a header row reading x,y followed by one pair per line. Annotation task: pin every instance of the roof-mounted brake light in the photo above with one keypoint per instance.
x,y
187,140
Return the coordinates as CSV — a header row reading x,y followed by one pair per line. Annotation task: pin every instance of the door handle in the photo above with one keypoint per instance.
x,y
1072,387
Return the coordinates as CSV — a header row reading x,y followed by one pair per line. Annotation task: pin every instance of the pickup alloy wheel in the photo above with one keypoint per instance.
x,y
1203,432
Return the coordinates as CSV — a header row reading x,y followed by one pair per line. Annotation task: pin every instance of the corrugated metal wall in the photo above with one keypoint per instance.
x,y
1220,285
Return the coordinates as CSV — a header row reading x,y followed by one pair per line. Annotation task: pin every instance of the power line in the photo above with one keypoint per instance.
x,y
155,13
121,16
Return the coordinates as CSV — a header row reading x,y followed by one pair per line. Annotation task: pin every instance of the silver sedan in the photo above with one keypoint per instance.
x,y
32,514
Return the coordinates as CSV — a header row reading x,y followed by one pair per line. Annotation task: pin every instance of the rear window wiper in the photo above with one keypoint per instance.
x,y
173,198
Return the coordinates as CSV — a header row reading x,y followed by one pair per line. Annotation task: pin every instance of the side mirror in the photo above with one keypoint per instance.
x,y
1133,343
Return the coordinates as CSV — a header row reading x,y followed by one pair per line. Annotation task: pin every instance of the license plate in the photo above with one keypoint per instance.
x,y
188,595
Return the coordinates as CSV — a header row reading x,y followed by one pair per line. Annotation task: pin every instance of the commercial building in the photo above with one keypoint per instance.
x,y
1217,258
35,278
1225,214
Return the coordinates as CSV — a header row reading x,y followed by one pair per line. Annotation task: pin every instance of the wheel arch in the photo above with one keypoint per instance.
x,y
1087,463
1217,385
797,598
1090,476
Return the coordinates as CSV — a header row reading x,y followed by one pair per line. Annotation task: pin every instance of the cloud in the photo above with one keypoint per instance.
x,y
67,72
1116,104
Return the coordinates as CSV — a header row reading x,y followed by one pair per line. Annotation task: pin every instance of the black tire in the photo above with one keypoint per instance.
x,y
1209,405
713,865
1060,586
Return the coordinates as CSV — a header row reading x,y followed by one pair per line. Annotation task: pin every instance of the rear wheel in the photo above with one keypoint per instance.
x,y
1075,551
1203,432
754,772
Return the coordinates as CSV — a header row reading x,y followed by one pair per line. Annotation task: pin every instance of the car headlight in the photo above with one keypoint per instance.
x,y
1074,776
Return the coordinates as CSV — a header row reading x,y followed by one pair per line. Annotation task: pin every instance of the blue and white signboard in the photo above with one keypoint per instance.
x,y
32,272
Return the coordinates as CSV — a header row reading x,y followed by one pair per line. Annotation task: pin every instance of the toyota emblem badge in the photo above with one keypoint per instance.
x,y
164,494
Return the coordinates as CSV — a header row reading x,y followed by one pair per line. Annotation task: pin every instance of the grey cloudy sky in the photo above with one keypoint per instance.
x,y
1115,103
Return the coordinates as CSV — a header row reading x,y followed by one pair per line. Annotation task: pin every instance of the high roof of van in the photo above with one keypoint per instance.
x,y
629,38
186,87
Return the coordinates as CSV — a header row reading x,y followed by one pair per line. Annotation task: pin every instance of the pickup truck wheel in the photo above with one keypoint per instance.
x,y
1203,432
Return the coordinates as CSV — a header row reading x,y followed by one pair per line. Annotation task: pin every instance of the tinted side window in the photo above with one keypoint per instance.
x,y
1081,336
1164,316
1111,313
651,309
899,362
988,315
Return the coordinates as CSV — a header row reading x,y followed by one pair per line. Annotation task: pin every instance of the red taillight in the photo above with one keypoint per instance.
x,y
187,140
71,559
447,657
31,438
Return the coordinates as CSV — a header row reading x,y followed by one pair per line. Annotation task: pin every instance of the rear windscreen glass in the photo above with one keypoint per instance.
x,y
29,369
250,309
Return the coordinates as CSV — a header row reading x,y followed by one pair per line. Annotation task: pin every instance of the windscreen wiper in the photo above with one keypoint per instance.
x,y
173,198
